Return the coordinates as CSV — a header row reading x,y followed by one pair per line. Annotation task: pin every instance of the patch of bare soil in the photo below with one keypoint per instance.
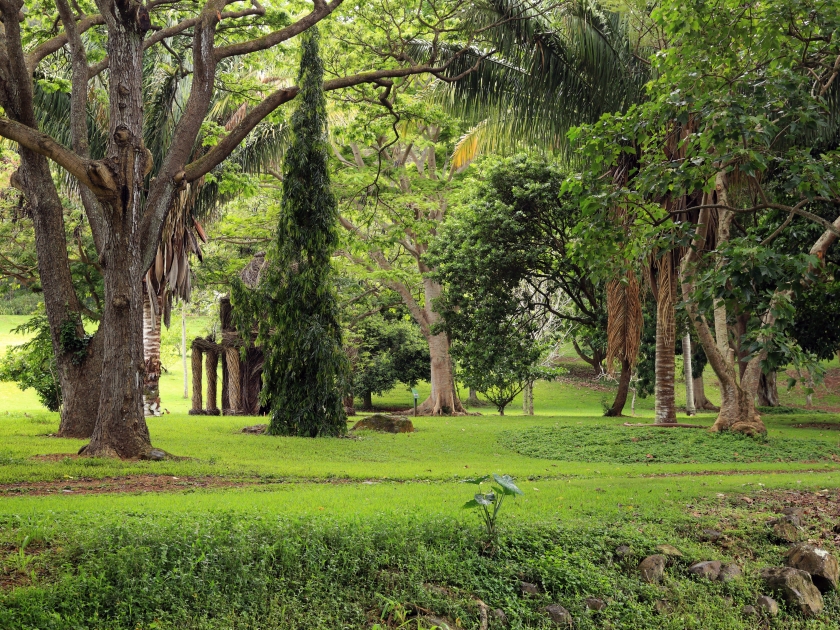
x,y
117,485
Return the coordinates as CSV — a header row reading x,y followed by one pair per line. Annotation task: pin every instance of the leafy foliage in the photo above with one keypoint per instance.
x,y
32,364
640,445
306,373
491,502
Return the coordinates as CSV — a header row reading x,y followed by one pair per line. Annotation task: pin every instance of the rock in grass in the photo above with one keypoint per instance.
x,y
157,455
767,605
729,572
796,587
818,562
255,429
836,529
385,424
623,552
710,569
559,616
652,568
500,617
526,588
595,603
748,610
710,535
785,531
669,551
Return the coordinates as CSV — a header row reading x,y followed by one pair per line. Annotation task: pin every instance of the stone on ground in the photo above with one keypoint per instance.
x,y
595,603
767,605
795,587
710,569
729,572
559,616
652,568
385,424
818,562
669,551
526,588
786,531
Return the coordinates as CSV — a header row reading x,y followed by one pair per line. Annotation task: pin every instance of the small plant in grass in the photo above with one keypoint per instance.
x,y
491,502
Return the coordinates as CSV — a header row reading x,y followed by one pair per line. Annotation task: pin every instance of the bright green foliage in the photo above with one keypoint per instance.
x,y
491,502
389,350
639,445
306,373
32,364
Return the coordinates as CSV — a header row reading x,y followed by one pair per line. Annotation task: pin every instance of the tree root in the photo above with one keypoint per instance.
x,y
678,425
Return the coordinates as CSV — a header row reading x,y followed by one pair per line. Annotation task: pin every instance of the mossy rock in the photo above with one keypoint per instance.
x,y
385,424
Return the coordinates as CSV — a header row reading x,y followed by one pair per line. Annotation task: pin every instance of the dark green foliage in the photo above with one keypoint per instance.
x,y
646,367
390,350
32,364
306,372
817,316
679,446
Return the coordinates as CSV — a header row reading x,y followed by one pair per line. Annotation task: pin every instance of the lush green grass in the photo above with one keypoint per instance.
x,y
620,445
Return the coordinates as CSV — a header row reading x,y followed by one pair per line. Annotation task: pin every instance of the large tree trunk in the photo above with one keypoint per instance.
x,y
151,353
78,372
700,400
623,388
768,393
443,399
665,365
121,429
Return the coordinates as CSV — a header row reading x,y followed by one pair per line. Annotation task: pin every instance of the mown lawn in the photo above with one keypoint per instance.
x,y
266,532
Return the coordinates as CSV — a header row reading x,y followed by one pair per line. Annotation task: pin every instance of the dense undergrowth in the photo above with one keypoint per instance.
x,y
676,446
225,571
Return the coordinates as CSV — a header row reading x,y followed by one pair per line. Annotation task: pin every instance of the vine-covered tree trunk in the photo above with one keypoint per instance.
x,y
151,353
665,366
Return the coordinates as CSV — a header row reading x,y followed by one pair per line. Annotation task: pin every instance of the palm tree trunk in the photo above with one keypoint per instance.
x,y
151,353
623,388
665,409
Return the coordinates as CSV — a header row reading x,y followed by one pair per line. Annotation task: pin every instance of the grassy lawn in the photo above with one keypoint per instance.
x,y
248,531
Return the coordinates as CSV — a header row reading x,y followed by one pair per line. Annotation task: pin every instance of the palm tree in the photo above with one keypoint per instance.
x,y
552,70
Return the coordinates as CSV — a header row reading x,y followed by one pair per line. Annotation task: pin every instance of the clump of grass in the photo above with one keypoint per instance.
x,y
677,446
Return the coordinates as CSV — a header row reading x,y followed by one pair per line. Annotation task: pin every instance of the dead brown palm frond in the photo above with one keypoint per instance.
x,y
624,320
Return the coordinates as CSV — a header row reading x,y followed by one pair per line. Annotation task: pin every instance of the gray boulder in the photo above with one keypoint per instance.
x,y
796,588
559,616
669,551
786,531
710,569
595,603
526,588
652,568
729,572
767,605
822,566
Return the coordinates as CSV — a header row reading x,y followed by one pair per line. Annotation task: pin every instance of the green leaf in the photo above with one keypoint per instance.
x,y
507,483
485,499
478,480
472,503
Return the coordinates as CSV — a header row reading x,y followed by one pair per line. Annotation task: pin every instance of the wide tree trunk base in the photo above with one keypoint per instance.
x,y
751,428
441,406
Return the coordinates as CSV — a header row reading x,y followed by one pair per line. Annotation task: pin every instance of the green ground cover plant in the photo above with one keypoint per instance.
x,y
641,444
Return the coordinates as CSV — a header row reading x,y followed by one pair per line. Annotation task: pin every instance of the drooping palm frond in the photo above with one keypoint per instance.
x,y
468,147
548,72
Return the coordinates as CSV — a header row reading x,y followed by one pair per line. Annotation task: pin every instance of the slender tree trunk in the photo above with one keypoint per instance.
x,y
184,346
689,382
528,399
623,388
665,366
768,393
367,401
151,353
737,409
473,400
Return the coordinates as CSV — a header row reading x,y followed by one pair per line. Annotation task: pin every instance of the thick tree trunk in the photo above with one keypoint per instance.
x,y
121,429
443,399
665,366
700,400
151,353
690,409
623,388
768,393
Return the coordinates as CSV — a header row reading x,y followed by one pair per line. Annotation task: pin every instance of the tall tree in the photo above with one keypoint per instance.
x,y
306,374
125,207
